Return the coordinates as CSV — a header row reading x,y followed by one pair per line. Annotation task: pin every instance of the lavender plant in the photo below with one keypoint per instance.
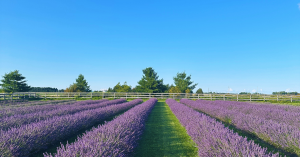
x,y
18,120
45,107
27,139
115,138
212,137
281,135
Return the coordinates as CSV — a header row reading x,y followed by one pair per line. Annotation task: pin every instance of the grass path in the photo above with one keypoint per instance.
x,y
164,135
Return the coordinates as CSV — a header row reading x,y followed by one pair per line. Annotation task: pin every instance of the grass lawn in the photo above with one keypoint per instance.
x,y
164,135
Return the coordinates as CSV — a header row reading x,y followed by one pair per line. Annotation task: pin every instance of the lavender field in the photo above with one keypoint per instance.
x,y
149,128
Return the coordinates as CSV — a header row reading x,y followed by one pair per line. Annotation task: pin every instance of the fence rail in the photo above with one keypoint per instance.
x,y
73,95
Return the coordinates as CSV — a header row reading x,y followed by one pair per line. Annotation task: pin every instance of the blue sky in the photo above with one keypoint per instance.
x,y
238,45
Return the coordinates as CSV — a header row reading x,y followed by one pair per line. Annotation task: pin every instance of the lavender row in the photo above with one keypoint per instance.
x,y
115,138
17,103
46,107
28,139
212,137
280,135
18,120
279,113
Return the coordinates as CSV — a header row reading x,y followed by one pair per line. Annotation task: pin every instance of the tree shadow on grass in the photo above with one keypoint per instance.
x,y
164,135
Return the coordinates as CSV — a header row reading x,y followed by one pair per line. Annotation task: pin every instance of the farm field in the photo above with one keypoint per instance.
x,y
164,135
149,128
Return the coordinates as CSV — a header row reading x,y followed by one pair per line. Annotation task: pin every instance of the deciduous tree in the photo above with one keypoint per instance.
x,y
199,91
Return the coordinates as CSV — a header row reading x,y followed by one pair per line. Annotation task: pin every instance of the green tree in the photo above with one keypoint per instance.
x,y
188,91
199,91
82,85
122,88
72,88
184,82
110,90
150,82
14,82
174,90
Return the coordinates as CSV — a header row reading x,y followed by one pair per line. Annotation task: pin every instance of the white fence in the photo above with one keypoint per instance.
x,y
90,95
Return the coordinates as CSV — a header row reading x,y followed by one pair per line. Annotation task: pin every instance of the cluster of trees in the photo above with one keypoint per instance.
x,y
45,89
150,83
284,93
15,82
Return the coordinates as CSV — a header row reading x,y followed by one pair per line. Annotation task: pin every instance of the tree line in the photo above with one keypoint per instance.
x,y
150,83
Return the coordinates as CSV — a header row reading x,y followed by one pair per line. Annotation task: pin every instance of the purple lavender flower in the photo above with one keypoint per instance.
x,y
24,140
18,120
212,137
115,138
257,119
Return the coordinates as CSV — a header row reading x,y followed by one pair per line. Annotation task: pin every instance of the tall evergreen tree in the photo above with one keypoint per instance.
x,y
150,82
82,84
183,82
14,82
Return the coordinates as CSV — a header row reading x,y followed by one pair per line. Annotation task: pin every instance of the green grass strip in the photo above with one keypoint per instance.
x,y
164,135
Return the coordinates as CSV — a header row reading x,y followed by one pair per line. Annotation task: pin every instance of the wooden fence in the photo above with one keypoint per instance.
x,y
90,95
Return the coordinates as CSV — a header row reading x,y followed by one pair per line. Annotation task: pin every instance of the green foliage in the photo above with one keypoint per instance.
x,y
285,93
82,84
168,87
188,91
183,82
72,88
122,88
150,82
43,89
110,90
199,91
14,82
174,90
245,93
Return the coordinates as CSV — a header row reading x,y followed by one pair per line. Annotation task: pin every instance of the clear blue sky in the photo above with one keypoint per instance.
x,y
243,45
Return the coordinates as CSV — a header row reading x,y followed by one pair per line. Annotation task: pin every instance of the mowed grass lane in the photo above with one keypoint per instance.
x,y
164,135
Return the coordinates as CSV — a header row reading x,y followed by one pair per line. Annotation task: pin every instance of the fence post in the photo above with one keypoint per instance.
x,y
126,96
224,97
237,97
277,97
210,97
198,96
264,98
114,95
250,97
173,96
92,95
291,99
68,95
102,95
56,94
45,95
